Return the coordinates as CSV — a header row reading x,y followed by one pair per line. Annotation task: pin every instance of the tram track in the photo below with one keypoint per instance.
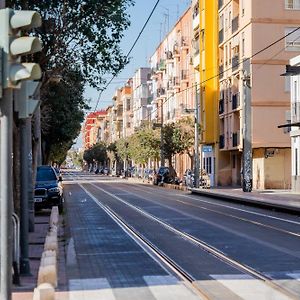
x,y
199,243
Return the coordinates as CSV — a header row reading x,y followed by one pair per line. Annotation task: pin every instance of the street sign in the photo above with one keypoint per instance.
x,y
206,149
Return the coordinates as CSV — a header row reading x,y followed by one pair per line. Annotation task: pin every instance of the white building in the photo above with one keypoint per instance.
x,y
295,120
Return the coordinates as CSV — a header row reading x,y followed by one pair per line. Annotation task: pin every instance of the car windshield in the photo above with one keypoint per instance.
x,y
45,175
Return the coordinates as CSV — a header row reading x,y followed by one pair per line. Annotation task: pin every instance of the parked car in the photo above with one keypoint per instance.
x,y
48,189
162,176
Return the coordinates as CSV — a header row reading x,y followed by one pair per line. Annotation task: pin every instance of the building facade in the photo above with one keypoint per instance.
x,y
245,28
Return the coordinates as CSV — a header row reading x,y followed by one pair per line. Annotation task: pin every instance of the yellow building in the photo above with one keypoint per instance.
x,y
205,27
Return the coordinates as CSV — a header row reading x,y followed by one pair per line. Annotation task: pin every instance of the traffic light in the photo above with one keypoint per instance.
x,y
13,46
25,101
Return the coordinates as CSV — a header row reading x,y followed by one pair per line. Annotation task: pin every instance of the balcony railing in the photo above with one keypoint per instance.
x,y
169,55
221,70
184,74
221,36
220,3
221,106
222,141
161,91
235,62
176,81
235,139
235,101
235,24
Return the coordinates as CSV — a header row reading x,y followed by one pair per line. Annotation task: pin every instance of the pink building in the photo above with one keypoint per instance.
x,y
246,27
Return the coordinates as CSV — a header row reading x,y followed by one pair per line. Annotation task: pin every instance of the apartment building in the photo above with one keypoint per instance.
x,y
141,97
294,123
205,63
245,28
173,77
90,129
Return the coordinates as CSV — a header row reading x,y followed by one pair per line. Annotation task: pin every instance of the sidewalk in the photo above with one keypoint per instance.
x,y
36,246
280,199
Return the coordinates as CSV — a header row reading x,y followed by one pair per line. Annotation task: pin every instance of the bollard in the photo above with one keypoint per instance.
x,y
48,260
44,291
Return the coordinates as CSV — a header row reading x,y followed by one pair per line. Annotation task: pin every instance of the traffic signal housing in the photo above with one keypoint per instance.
x,y
13,46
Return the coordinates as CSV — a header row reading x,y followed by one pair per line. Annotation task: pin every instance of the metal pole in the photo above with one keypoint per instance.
x,y
24,220
196,145
162,157
247,134
6,200
30,175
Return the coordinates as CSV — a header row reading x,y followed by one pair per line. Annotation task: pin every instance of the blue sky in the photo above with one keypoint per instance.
x,y
164,17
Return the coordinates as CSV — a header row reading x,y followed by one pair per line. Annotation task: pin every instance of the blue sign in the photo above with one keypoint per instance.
x,y
207,149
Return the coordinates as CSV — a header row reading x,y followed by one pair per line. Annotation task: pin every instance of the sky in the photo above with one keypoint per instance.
x,y
163,19
165,16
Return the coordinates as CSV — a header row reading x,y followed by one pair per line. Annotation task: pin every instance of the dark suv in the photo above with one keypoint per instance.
x,y
48,190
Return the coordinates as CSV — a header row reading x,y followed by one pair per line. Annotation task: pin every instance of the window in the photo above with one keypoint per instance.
x,y
292,41
292,4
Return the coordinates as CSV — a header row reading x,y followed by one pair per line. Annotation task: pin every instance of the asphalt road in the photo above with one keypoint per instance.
x,y
102,251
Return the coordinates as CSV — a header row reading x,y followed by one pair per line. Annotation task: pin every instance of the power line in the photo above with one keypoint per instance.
x,y
221,73
136,40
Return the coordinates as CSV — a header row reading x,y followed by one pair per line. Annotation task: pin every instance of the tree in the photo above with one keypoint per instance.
x,y
97,153
178,138
62,113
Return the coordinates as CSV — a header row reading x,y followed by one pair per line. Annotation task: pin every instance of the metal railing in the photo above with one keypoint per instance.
x,y
221,106
235,101
235,24
221,36
16,248
222,141
235,62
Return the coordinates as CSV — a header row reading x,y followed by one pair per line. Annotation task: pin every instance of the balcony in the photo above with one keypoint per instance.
x,y
235,101
235,139
170,85
221,36
221,71
176,82
235,24
220,3
169,55
184,42
161,65
161,92
222,141
235,62
176,51
184,75
221,106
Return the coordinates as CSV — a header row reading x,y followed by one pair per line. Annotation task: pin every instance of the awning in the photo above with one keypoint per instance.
x,y
291,70
289,125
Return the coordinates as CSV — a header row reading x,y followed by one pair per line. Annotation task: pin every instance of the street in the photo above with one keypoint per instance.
x,y
136,241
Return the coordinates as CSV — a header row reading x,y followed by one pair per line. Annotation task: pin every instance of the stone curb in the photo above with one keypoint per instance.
x,y
47,274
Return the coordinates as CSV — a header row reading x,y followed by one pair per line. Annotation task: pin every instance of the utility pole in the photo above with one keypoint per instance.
x,y
12,47
247,132
162,156
6,200
196,144
25,106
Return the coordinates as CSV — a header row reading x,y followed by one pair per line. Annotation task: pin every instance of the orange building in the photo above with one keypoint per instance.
x,y
91,127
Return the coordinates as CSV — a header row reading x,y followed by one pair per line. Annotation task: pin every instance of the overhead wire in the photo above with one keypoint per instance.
x,y
129,52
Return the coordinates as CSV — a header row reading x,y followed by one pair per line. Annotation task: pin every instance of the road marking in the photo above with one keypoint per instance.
x,y
246,211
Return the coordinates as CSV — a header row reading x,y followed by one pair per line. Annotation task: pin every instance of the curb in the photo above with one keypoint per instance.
x,y
47,274
248,201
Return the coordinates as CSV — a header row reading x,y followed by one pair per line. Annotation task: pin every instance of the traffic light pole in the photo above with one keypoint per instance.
x,y
6,200
162,156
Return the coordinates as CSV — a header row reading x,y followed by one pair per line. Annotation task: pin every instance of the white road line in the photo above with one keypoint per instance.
x,y
246,211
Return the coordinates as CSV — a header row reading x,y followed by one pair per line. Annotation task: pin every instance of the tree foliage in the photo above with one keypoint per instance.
x,y
178,137
97,153
62,112
86,33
